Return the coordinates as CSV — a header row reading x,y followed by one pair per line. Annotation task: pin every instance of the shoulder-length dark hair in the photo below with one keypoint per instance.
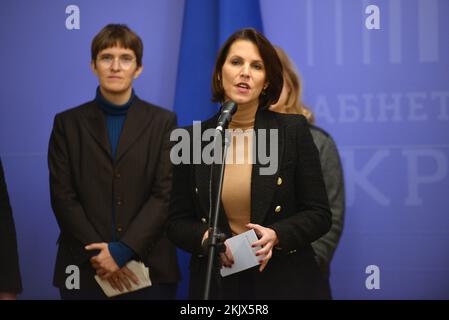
x,y
273,67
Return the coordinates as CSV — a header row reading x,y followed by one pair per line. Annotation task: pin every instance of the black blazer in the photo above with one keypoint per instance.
x,y
293,202
86,184
10,280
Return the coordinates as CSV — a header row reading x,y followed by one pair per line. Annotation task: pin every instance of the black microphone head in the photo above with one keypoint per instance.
x,y
229,107
227,110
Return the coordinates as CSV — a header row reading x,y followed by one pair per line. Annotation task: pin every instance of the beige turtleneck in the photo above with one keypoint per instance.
x,y
236,194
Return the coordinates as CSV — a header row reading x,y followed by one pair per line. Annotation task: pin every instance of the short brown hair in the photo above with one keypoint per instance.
x,y
273,67
294,102
117,35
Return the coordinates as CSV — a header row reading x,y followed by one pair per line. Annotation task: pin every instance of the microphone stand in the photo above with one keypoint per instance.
x,y
213,232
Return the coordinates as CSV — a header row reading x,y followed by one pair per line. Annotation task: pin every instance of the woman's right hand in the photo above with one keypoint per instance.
x,y
226,258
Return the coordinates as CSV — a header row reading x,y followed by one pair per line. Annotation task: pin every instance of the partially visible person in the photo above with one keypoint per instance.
x,y
111,177
10,279
290,102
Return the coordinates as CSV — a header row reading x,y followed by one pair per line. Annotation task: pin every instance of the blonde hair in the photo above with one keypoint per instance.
x,y
292,79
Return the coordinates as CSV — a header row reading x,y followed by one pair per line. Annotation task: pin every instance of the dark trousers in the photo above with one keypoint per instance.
x,y
155,292
239,286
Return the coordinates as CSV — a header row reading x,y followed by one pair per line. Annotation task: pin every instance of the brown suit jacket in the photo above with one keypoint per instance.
x,y
86,184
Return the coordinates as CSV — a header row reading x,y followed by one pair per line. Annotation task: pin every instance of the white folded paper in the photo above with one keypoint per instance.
x,y
138,268
244,255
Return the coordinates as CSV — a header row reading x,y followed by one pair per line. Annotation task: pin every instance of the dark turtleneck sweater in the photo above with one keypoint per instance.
x,y
115,118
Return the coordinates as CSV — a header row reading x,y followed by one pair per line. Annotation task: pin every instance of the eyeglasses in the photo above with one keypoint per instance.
x,y
107,60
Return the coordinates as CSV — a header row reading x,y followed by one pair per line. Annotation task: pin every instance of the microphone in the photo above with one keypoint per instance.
x,y
227,110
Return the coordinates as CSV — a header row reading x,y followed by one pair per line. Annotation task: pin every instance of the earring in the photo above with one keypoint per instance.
x,y
264,90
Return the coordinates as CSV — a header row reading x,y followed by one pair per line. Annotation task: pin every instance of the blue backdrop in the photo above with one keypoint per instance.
x,y
383,94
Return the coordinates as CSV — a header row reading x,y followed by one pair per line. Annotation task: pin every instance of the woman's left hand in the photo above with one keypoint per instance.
x,y
267,240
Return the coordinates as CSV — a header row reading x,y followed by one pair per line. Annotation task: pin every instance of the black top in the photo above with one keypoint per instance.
x,y
83,172
10,280
291,200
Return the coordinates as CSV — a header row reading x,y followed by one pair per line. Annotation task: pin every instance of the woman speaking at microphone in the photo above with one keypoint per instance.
x,y
272,184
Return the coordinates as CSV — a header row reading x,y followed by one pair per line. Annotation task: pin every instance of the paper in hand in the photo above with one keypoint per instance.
x,y
138,268
244,255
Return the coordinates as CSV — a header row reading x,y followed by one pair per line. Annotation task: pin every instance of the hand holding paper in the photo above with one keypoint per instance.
x,y
243,252
267,240
141,272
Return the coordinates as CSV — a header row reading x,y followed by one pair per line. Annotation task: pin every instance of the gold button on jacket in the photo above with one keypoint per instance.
x,y
279,182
